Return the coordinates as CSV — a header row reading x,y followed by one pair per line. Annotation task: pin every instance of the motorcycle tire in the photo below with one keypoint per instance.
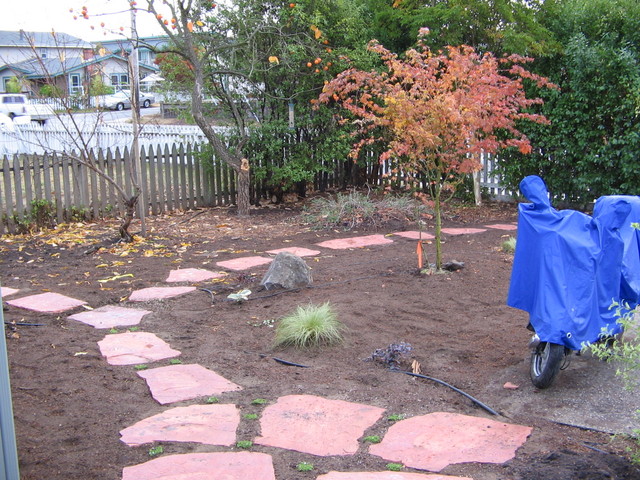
x,y
546,361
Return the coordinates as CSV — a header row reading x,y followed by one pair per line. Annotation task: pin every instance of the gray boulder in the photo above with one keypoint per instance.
x,y
287,271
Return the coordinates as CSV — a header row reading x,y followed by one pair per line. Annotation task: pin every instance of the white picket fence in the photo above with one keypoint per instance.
x,y
55,137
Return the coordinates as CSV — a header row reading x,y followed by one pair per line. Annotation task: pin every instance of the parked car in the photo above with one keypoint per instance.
x,y
17,105
122,99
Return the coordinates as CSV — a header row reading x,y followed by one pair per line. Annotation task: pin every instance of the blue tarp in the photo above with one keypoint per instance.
x,y
570,267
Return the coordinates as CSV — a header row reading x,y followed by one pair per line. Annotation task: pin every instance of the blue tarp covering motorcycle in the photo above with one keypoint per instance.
x,y
568,269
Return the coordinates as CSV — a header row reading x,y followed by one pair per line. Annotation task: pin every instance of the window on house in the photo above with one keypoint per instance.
x,y
120,80
75,84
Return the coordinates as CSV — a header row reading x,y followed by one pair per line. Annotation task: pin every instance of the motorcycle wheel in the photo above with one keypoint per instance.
x,y
546,361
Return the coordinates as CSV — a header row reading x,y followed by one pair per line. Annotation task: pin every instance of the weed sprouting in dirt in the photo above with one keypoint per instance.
x,y
309,326
350,210
155,451
304,467
509,245
392,356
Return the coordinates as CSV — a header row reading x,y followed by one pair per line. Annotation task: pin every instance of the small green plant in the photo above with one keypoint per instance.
x,y
77,214
241,296
43,213
142,366
113,330
309,326
213,400
175,361
395,467
250,416
155,451
395,417
133,329
304,467
258,401
372,439
244,444
624,350
509,245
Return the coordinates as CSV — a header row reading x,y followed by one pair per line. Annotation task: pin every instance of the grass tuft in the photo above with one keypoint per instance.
x,y
509,245
310,326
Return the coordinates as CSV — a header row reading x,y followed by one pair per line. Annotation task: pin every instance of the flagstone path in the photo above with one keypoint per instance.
x,y
304,423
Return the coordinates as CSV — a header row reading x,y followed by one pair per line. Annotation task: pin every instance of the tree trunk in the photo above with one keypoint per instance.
x,y
130,205
438,233
243,187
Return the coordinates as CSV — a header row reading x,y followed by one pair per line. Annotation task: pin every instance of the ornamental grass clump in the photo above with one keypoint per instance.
x,y
310,326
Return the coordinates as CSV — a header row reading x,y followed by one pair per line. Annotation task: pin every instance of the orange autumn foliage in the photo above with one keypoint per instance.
x,y
437,111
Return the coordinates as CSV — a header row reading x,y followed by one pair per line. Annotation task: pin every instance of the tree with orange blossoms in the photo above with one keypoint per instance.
x,y
436,113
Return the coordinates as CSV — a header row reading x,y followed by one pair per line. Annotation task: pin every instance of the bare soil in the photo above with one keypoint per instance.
x,y
69,404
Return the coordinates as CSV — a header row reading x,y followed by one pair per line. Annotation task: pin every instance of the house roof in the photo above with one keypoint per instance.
x,y
54,67
41,39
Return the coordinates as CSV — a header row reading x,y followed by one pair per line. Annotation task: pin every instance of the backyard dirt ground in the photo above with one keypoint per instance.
x,y
70,404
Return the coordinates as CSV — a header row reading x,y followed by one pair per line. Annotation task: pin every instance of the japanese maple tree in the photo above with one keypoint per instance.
x,y
435,113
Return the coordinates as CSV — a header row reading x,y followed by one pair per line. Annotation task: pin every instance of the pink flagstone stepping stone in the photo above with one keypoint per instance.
x,y
6,291
204,466
387,476
316,425
131,348
110,316
208,424
503,226
175,383
414,235
158,293
243,263
298,251
434,441
192,275
47,303
355,242
462,231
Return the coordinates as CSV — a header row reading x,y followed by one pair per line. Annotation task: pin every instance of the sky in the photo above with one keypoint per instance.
x,y
47,15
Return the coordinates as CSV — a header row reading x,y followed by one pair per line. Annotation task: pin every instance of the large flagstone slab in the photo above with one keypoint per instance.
x,y
244,263
204,466
434,441
175,383
387,476
207,424
463,231
297,251
110,316
48,302
503,226
192,275
132,348
6,291
415,235
355,242
158,293
316,425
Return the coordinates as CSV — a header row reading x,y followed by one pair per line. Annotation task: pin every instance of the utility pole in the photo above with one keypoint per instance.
x,y
9,468
135,118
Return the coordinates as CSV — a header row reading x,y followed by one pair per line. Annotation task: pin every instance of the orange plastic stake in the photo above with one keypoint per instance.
x,y
419,252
